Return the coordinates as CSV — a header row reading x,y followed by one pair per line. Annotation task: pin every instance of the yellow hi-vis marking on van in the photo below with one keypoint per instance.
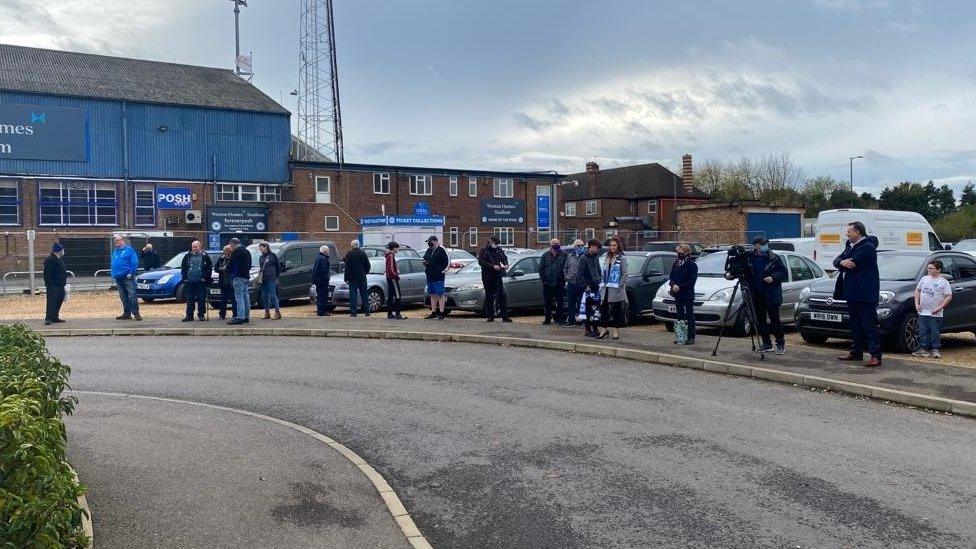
x,y
913,238
830,238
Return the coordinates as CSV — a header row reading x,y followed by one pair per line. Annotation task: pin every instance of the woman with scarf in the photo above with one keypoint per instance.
x,y
681,286
613,289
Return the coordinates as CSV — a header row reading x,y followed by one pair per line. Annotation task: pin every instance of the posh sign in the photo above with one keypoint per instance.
x,y
41,132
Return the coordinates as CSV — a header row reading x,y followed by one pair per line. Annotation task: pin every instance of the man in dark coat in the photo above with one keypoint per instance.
x,y
196,270
552,274
321,273
356,269
240,277
859,283
681,286
55,281
150,259
494,263
767,272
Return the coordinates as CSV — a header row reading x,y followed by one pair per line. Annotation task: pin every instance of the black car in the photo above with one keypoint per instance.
x,y
819,316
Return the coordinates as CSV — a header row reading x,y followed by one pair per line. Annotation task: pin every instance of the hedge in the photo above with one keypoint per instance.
x,y
38,493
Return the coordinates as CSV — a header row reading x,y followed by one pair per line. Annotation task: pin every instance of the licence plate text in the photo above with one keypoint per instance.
x,y
142,286
829,317
672,309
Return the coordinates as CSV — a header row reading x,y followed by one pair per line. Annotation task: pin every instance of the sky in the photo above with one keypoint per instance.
x,y
549,85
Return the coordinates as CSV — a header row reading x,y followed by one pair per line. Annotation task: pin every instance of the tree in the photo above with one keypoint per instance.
x,y
941,200
958,224
968,197
775,172
906,196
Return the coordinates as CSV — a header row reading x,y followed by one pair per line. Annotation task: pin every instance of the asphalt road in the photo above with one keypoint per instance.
x,y
504,447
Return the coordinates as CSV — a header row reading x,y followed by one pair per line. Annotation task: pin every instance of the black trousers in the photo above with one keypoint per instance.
x,y
55,298
554,298
495,299
612,313
195,293
393,302
864,328
226,296
765,309
322,298
685,310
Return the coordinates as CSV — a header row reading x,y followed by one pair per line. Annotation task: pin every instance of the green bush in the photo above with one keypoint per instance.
x,y
38,493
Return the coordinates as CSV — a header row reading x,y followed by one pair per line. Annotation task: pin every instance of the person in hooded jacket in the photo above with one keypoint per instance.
x,y
574,290
859,284
394,303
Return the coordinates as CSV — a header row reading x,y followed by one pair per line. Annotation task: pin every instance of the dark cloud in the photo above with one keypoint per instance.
x,y
380,147
802,99
670,104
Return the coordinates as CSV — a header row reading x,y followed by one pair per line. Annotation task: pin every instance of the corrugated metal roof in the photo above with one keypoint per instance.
x,y
100,76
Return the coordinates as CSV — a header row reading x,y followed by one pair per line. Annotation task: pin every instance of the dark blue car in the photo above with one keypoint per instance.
x,y
165,282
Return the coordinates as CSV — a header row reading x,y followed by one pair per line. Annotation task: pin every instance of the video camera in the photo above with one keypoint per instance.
x,y
737,263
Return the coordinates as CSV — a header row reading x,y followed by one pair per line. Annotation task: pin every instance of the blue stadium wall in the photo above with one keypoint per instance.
x,y
247,147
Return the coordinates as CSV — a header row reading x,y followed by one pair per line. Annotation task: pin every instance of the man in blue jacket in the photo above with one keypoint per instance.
x,y
768,274
859,283
125,266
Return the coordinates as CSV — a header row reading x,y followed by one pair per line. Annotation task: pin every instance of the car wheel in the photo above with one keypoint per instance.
x,y
669,326
375,299
906,339
179,293
742,325
811,337
148,299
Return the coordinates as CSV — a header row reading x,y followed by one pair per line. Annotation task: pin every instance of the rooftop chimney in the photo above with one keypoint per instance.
x,y
687,174
592,167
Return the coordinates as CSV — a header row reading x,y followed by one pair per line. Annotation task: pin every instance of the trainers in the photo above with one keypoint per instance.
x,y
124,317
921,354
936,354
781,348
187,319
136,317
767,348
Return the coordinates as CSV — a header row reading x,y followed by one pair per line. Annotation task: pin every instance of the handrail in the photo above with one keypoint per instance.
x,y
3,280
95,276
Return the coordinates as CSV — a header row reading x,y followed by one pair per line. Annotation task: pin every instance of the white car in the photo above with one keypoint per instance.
x,y
459,259
968,245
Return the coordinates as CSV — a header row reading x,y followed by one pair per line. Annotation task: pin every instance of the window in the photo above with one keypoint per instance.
x,y
455,237
294,256
570,209
332,223
934,244
591,207
506,235
473,236
966,268
9,203
472,186
145,206
422,185
652,207
659,263
77,203
248,193
270,193
323,189
452,186
527,265
504,188
589,234
814,268
543,236
799,270
381,183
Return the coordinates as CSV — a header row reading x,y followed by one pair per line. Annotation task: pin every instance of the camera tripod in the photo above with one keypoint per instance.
x,y
748,307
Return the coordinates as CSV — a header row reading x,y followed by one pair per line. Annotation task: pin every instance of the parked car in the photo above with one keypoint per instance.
x,y
412,284
465,291
713,292
459,258
714,248
296,259
968,245
646,273
165,282
669,246
380,251
819,316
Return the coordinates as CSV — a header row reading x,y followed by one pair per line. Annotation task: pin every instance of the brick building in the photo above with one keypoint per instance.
x,y
323,199
631,201
738,222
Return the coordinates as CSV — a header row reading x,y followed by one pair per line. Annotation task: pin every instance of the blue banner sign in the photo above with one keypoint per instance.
x,y
408,220
173,198
213,241
505,212
421,209
543,219
41,132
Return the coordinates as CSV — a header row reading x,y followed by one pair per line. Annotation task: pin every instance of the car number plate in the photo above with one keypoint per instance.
x,y
214,291
829,317
672,309
142,286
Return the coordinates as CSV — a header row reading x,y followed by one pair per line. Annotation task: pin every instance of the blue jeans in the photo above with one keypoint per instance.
x,y
929,332
269,295
127,294
242,298
357,289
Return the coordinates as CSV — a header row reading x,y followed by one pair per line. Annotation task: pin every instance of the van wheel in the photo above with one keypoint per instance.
x,y
811,337
906,339
375,299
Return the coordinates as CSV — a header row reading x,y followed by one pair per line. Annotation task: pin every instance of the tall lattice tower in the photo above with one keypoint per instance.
x,y
319,116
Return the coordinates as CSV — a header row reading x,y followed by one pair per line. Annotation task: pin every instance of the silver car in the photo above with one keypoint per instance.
x,y
412,282
465,291
713,291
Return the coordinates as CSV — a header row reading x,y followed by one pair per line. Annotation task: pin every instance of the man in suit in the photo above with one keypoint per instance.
x,y
858,283
55,281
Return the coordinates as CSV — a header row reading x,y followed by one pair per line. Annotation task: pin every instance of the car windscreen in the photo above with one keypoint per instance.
x,y
899,267
660,247
965,246
787,246
473,267
459,254
175,262
713,264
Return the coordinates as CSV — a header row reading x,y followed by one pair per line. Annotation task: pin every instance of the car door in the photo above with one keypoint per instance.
x,y
408,279
524,291
801,276
653,274
291,277
961,311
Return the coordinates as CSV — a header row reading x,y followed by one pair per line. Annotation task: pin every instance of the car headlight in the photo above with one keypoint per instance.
x,y
724,294
342,287
470,287
663,290
885,296
164,279
804,294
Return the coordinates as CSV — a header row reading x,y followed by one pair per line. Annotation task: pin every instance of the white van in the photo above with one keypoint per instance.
x,y
895,230
806,247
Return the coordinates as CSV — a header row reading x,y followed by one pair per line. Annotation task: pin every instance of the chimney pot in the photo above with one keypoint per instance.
x,y
592,167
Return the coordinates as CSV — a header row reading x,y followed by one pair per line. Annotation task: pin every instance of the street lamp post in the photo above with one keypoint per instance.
x,y
852,178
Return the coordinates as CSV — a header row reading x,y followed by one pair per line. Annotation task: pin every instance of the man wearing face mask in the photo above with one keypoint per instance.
x,y
494,263
552,273
574,289
768,274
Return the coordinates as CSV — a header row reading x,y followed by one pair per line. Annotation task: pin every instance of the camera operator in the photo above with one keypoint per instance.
x,y
766,274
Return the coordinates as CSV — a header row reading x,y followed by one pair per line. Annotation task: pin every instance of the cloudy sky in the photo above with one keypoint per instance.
x,y
536,84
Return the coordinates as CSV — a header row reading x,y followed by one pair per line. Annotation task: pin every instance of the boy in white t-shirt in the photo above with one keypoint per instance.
x,y
932,295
